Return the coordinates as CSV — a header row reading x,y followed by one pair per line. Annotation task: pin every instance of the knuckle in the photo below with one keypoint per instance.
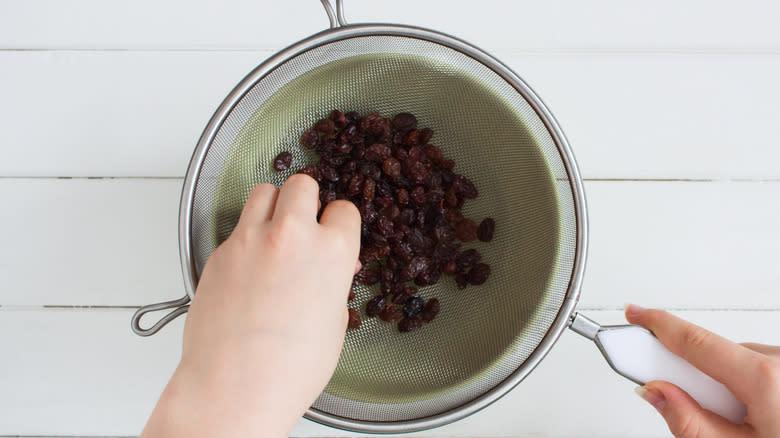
x,y
340,244
768,371
695,336
287,227
259,191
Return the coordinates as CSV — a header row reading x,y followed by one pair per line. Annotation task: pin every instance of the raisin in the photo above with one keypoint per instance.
x,y
375,306
400,298
414,267
418,195
369,189
309,139
409,324
354,318
404,122
378,153
368,275
391,314
449,268
410,204
430,310
352,116
339,119
412,138
464,187
327,196
391,167
355,185
343,147
467,259
403,197
486,229
425,135
282,161
329,174
413,306
325,126
479,274
461,279
313,172
466,230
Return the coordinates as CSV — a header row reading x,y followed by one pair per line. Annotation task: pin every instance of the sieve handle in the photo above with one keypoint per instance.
x,y
179,307
336,18
634,353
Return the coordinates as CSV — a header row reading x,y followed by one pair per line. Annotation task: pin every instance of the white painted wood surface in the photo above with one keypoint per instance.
x,y
130,113
82,372
113,242
646,92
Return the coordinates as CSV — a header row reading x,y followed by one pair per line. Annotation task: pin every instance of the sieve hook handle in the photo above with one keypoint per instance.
x,y
336,18
636,354
179,307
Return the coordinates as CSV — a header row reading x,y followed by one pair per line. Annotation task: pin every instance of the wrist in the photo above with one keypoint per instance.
x,y
236,390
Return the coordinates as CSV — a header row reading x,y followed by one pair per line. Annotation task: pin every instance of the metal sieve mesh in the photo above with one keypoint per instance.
x,y
483,335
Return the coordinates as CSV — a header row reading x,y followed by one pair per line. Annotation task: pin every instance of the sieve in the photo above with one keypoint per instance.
x,y
500,135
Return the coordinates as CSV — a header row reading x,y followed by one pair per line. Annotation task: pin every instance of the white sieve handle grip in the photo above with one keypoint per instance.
x,y
636,354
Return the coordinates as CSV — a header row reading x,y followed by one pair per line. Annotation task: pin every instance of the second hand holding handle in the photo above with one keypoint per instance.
x,y
636,354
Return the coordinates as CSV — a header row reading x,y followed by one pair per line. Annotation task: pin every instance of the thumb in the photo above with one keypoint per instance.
x,y
684,416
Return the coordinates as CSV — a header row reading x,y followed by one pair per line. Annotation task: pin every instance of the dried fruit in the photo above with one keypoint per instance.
x,y
486,229
408,324
430,310
354,318
282,161
467,259
375,306
404,122
410,202
413,306
391,314
479,274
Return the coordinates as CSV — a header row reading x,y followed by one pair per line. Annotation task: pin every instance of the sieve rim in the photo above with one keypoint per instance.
x,y
566,310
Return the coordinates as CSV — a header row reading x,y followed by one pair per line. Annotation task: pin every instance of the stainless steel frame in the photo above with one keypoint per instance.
x,y
340,30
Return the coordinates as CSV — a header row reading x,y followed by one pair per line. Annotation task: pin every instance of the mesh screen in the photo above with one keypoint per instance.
x,y
483,334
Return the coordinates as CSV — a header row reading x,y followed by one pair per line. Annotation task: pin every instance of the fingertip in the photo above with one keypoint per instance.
x,y
348,206
300,178
633,312
652,395
341,213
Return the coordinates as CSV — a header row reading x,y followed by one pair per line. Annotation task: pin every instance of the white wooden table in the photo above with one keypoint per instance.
x,y
671,107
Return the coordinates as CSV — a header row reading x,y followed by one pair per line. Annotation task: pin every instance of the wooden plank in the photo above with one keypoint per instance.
x,y
626,115
89,24
82,372
671,244
89,242
677,244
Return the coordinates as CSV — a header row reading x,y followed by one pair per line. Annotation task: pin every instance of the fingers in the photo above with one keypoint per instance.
x,y
685,418
298,197
259,205
723,360
768,350
344,217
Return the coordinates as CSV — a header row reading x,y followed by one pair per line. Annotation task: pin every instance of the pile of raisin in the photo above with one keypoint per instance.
x,y
410,203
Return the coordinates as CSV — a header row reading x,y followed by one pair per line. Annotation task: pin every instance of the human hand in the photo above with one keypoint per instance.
x,y
750,371
265,328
